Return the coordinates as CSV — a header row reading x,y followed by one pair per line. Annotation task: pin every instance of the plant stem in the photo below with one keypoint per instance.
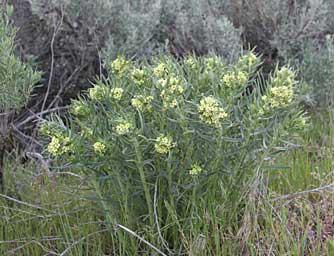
x,y
140,167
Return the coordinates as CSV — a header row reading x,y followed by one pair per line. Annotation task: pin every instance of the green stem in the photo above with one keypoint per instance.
x,y
140,167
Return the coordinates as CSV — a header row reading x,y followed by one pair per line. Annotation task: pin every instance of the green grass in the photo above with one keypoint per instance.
x,y
63,215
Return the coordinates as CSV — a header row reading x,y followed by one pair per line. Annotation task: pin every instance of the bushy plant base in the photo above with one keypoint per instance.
x,y
160,139
71,219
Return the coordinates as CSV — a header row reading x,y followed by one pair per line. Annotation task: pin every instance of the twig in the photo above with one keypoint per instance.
x,y
30,118
25,239
80,240
141,239
52,59
25,203
289,196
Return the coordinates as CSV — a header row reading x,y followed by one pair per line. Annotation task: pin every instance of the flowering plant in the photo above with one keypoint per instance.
x,y
171,130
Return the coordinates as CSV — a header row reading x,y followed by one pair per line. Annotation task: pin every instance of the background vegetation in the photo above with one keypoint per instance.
x,y
193,127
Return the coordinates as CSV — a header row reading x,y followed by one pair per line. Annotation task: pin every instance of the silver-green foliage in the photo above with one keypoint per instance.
x,y
16,78
316,68
143,28
159,139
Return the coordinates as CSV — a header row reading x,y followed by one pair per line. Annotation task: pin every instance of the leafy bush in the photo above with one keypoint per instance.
x,y
282,25
16,78
171,146
145,28
16,83
317,69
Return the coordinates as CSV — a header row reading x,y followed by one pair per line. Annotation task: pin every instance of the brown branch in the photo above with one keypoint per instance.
x,y
57,28
300,193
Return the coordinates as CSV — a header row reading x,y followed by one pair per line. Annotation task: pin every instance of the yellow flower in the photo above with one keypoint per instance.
x,y
247,62
59,145
164,144
160,71
195,170
139,76
99,148
171,89
123,128
162,83
281,96
86,132
213,63
79,109
142,103
210,111
120,67
284,77
235,79
54,146
170,103
97,92
117,93
191,62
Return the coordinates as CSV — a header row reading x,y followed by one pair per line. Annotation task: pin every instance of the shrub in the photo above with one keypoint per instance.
x,y
16,78
145,28
316,68
282,25
170,147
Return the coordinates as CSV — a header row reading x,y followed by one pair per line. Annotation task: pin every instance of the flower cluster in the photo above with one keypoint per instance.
x,y
59,145
247,62
99,148
170,89
210,111
97,93
161,70
280,96
191,62
139,76
195,170
164,144
78,108
281,93
142,103
212,63
116,93
49,129
235,79
123,128
120,67
284,77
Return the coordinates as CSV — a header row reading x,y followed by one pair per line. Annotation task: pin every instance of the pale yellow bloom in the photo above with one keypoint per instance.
x,y
213,63
210,111
284,77
191,62
97,92
247,62
116,93
139,76
99,148
163,144
79,109
195,170
235,79
171,89
59,145
281,96
120,67
160,71
54,146
123,128
142,103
